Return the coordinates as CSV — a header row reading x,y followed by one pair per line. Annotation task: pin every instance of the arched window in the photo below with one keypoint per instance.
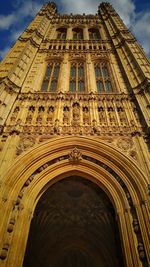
x,y
77,34
61,33
51,77
103,79
94,34
77,77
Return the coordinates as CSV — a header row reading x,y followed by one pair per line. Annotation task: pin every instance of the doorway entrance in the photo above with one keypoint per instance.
x,y
74,225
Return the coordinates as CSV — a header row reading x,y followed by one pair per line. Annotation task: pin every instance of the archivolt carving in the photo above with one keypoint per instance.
x,y
24,145
124,144
75,155
133,154
101,150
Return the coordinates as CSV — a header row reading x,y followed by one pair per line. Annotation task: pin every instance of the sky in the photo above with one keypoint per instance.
x,y
15,15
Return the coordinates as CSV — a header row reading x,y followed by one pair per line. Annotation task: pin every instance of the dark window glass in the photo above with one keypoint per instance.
x,y
45,85
100,87
53,85
105,72
98,71
61,35
73,72
103,78
81,71
77,77
48,71
72,86
108,86
51,77
56,71
80,86
77,34
91,36
80,36
94,34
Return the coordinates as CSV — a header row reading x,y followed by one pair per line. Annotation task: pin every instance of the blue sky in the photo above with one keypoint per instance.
x,y
15,15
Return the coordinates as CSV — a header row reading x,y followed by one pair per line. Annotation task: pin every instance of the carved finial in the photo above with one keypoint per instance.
x,y
75,155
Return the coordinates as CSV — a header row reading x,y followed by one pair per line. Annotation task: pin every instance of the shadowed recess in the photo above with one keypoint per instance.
x,y
74,225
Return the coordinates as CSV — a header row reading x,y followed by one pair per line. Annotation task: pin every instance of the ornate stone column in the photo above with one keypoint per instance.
x,y
85,33
69,33
91,82
63,83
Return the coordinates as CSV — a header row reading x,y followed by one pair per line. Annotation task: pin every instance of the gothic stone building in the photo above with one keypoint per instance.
x,y
74,144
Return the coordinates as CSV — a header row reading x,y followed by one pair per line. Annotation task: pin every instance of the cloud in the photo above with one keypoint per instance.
x,y
141,29
125,8
4,51
28,8
138,22
16,21
15,34
7,21
79,7
13,24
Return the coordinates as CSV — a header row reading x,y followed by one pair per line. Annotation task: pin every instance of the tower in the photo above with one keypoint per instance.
x,y
75,144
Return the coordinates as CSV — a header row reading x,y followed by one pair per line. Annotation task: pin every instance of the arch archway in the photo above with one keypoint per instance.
x,y
74,224
35,171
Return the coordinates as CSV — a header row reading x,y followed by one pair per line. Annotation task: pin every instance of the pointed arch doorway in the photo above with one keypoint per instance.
x,y
74,225
34,173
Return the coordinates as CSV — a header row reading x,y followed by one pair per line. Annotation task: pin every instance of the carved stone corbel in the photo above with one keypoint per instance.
x,y
75,155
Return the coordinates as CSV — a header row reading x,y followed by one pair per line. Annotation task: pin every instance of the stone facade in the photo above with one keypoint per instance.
x,y
75,94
